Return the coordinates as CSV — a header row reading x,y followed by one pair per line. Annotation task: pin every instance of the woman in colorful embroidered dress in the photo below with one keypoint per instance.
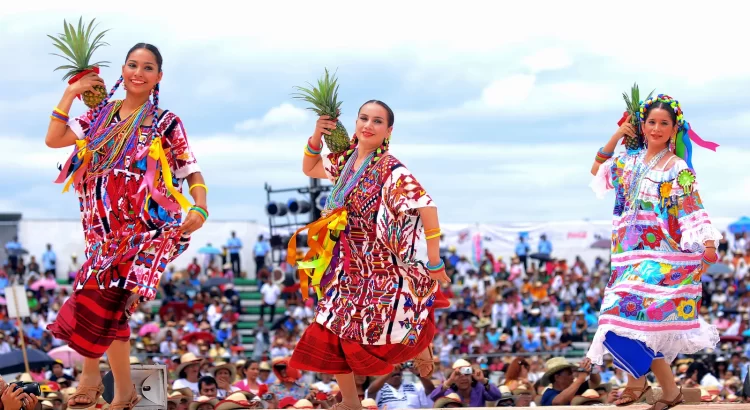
x,y
128,165
377,298
662,241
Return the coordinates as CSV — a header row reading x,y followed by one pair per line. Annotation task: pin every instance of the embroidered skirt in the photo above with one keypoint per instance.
x,y
91,319
321,351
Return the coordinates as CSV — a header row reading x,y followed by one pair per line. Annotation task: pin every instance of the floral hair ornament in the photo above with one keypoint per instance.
x,y
683,147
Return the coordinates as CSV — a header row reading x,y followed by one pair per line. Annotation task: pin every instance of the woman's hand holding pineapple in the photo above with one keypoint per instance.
x,y
86,83
324,125
626,130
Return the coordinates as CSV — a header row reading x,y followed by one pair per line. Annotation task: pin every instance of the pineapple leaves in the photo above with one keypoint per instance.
x,y
324,97
78,46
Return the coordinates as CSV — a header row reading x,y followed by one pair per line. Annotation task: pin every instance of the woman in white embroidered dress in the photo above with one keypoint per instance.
x,y
662,241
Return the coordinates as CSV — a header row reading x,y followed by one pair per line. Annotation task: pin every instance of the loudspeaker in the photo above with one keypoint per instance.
x,y
150,383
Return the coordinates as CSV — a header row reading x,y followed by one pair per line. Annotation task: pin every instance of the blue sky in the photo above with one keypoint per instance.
x,y
499,112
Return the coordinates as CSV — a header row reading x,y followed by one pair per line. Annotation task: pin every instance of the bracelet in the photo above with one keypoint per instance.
x,y
202,212
60,115
708,262
56,118
314,149
437,235
311,151
435,268
428,231
197,185
602,156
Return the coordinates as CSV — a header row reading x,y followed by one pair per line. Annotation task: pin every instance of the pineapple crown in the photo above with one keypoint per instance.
x,y
324,97
681,144
78,45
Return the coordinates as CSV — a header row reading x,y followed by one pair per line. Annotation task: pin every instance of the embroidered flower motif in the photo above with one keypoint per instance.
x,y
686,309
630,305
631,237
650,272
655,313
651,237
673,226
668,307
686,179
677,276
689,204
665,189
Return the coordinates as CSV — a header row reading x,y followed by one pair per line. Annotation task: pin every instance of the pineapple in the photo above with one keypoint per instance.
x,y
633,105
78,45
325,102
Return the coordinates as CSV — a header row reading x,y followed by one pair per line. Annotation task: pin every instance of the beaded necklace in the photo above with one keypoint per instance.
x,y
110,143
347,181
639,172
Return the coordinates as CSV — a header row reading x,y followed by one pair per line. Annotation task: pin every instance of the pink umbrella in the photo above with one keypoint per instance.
x,y
43,283
68,356
148,328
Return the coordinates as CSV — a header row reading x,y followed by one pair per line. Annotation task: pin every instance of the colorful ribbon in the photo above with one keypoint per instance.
x,y
84,158
156,155
322,236
684,147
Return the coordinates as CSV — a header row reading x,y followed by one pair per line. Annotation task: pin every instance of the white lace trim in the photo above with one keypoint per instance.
x,y
695,236
668,343
602,182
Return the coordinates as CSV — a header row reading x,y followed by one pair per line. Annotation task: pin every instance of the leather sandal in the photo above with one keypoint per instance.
x,y
632,393
85,391
342,406
669,404
425,366
126,405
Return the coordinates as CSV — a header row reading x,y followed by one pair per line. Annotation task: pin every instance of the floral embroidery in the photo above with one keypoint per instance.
x,y
651,237
651,272
686,309
677,276
630,305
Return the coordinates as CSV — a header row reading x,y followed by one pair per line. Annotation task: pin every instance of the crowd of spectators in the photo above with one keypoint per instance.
x,y
516,335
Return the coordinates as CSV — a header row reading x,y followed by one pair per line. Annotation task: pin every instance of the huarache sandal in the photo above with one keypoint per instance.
x,y
342,406
128,405
669,404
425,366
631,394
85,391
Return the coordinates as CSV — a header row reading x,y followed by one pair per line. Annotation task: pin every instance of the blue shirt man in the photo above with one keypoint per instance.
x,y
234,245
545,246
49,260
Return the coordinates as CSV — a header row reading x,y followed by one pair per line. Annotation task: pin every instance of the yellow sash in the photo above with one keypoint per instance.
x,y
318,258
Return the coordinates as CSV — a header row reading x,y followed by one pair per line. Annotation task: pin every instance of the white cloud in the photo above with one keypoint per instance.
x,y
507,92
528,61
548,59
285,114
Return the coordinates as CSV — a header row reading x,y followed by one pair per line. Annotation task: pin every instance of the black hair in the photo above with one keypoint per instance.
x,y
664,106
388,109
250,363
150,47
206,380
697,367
